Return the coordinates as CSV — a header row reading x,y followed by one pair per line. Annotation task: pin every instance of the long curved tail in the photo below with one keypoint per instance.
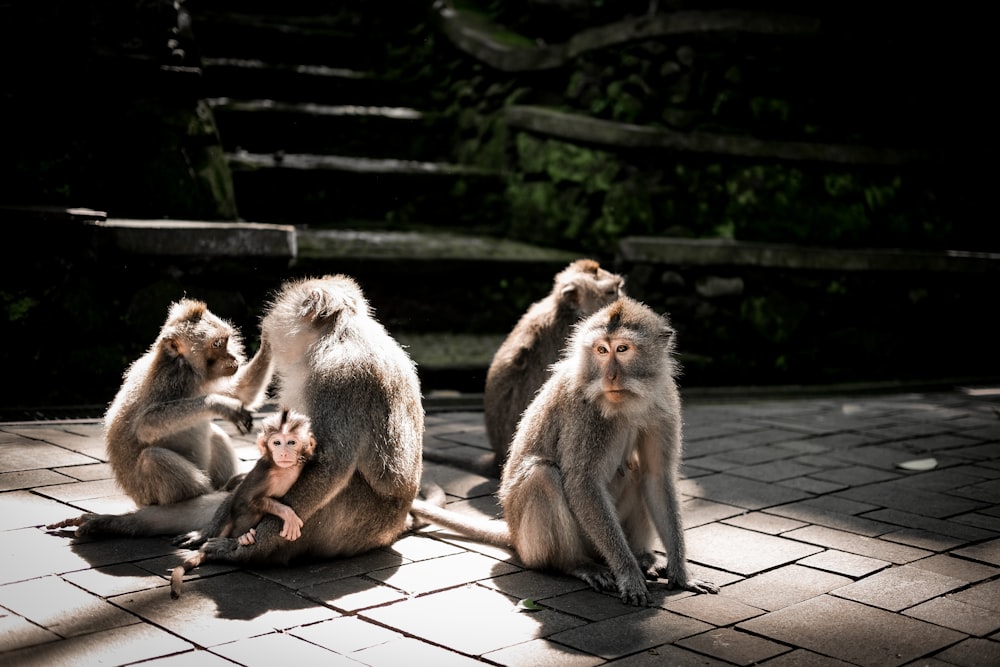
x,y
490,531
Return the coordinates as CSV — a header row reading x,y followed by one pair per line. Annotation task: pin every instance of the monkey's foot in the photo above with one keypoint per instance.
x,y
598,576
694,585
192,540
66,523
219,548
653,565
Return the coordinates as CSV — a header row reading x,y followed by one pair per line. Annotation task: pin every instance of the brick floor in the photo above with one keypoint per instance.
x,y
828,554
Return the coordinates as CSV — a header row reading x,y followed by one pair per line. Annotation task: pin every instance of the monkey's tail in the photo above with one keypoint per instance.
x,y
177,576
490,531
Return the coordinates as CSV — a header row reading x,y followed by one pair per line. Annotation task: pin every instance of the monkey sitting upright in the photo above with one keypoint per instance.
x,y
286,443
591,480
161,443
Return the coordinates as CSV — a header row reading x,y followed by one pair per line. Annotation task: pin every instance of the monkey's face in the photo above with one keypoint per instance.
x,y
614,357
220,361
285,449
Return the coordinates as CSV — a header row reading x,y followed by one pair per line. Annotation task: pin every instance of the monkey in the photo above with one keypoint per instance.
x,y
337,364
591,479
286,443
162,444
522,362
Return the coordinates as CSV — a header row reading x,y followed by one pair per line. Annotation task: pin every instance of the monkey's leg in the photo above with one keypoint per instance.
x,y
665,509
546,534
162,476
222,462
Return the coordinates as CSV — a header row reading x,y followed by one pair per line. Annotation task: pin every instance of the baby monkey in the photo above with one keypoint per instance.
x,y
286,443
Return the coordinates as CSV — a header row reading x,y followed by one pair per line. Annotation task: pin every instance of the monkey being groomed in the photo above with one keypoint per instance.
x,y
591,479
338,365
286,443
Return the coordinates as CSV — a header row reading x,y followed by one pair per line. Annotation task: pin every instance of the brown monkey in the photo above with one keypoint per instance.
x,y
337,364
591,480
522,363
286,443
162,445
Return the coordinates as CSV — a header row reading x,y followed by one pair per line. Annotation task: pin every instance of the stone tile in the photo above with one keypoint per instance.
x,y
22,509
697,512
742,551
420,547
985,595
77,491
634,632
197,658
353,593
900,496
752,456
116,579
48,554
264,650
28,455
855,475
732,646
802,658
972,653
713,463
813,486
26,479
460,483
542,653
18,632
988,552
922,539
783,587
674,656
317,572
898,588
346,635
946,527
835,513
775,471
439,573
987,492
223,609
471,620
589,604
959,568
535,585
763,522
123,645
88,473
984,519
857,544
718,610
861,635
412,652
840,562
746,493
951,613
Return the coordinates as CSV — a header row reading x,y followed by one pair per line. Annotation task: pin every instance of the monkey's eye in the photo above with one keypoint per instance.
x,y
219,342
621,348
601,349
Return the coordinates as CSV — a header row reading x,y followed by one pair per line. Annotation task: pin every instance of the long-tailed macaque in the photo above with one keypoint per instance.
x,y
591,479
523,361
161,443
337,364
286,443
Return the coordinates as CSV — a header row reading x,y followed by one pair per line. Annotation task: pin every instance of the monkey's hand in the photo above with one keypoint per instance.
x,y
632,590
220,548
232,409
248,538
291,530
66,523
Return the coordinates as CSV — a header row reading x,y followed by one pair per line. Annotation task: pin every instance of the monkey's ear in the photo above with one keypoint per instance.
x,y
262,444
570,294
174,345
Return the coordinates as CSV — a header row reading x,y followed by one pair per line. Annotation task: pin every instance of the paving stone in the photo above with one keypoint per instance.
x,y
763,522
674,656
353,593
833,512
760,454
902,497
951,613
988,552
26,479
861,635
123,645
633,632
898,588
472,620
812,486
697,512
308,574
739,492
265,649
972,653
985,595
535,585
18,632
801,658
88,473
742,551
589,604
784,587
714,463
116,579
849,565
223,609
48,554
415,548
872,459
855,475
460,483
77,491
987,492
718,610
732,646
346,635
857,544
439,573
23,509
412,652
922,539
958,568
775,471
542,653
945,527
17,456
983,519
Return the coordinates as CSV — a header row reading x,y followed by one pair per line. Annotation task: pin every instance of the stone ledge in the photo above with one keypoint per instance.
x,y
722,252
194,238
578,127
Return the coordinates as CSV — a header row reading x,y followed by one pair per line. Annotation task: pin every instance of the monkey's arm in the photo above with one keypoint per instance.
x,y
163,419
291,530
249,384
